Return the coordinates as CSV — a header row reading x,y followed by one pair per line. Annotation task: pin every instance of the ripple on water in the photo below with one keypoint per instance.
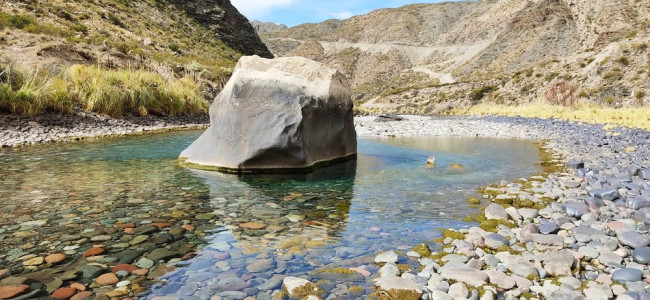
x,y
237,236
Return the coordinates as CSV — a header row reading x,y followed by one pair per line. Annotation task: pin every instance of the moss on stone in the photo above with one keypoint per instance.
x,y
404,268
355,290
523,203
492,225
505,202
423,249
336,270
399,295
304,290
450,233
473,200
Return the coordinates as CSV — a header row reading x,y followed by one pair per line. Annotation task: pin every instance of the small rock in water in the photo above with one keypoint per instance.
x,y
386,257
55,258
11,291
298,287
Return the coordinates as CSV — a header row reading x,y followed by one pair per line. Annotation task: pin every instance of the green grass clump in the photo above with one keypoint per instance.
x,y
24,93
117,92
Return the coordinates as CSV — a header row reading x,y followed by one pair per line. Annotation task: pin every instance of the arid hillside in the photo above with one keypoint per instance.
x,y
428,58
162,49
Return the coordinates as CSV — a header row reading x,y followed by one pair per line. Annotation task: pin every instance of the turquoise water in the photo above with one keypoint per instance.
x,y
339,216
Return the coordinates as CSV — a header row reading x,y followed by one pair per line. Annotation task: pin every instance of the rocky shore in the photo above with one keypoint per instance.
x,y
576,231
49,128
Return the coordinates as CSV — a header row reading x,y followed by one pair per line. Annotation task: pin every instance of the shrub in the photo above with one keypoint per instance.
x,y
480,93
562,93
21,21
623,60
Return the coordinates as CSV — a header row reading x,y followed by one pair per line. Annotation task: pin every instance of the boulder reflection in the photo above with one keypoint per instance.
x,y
285,212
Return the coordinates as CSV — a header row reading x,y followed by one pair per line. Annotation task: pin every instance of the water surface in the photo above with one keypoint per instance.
x,y
55,198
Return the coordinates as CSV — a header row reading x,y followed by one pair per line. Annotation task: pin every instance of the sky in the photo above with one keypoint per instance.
x,y
294,12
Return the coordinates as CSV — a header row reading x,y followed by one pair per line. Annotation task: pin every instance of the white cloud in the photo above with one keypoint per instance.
x,y
257,9
341,14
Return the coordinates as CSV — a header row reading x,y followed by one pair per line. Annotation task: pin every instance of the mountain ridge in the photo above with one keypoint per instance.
x,y
427,58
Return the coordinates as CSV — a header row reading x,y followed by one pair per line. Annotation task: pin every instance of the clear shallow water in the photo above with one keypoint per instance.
x,y
62,195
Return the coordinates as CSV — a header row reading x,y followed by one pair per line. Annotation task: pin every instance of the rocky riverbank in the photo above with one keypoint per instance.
x,y
49,128
578,232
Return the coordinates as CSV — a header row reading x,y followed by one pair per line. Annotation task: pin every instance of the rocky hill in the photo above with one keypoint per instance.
x,y
427,58
201,38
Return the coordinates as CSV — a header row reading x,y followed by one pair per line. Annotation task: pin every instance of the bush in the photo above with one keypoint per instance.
x,y
21,21
562,93
623,60
480,93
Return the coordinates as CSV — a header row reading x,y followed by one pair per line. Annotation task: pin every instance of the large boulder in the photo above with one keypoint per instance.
x,y
277,115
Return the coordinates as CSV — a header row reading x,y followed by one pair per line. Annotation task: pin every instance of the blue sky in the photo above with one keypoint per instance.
x,y
294,12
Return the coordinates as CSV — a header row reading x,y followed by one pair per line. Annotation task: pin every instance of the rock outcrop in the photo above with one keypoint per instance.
x,y
281,115
227,23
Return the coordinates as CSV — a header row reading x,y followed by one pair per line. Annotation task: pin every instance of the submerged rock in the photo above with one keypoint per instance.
x,y
277,115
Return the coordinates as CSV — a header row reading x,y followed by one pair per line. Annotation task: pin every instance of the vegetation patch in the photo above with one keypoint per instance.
x,y
105,91
634,117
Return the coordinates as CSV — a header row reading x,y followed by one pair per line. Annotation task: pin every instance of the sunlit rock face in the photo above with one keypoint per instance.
x,y
277,115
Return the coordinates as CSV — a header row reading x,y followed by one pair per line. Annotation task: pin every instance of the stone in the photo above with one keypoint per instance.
x,y
237,295
528,213
633,239
101,238
458,290
495,211
440,295
641,255
253,225
259,266
500,279
575,164
548,242
11,291
627,274
386,257
575,209
279,114
599,292
93,251
548,228
144,263
107,279
64,293
517,265
34,261
407,289
161,254
610,193
495,241
643,173
298,287
55,258
557,263
388,118
464,274
87,295
389,269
